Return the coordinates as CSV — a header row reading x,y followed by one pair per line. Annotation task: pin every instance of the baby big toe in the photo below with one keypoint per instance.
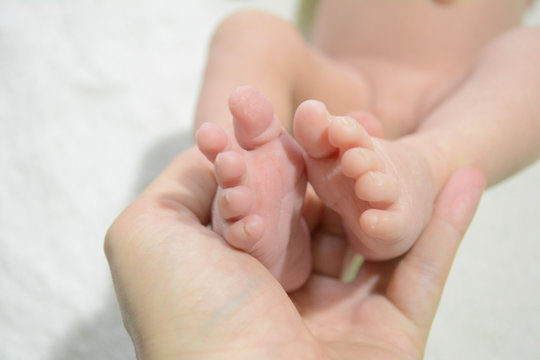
x,y
230,169
255,122
310,128
376,186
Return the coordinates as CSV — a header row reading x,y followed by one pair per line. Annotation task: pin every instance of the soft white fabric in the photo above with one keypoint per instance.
x,y
95,98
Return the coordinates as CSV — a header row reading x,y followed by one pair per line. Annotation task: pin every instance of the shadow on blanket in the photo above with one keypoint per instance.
x,y
104,337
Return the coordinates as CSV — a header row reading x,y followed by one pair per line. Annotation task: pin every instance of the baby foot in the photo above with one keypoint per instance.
x,y
382,189
262,182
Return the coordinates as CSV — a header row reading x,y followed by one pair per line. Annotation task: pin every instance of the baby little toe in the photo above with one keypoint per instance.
x,y
386,229
382,224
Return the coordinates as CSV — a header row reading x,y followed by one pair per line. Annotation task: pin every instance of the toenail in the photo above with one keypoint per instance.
x,y
363,154
345,121
253,227
250,228
374,222
219,158
377,179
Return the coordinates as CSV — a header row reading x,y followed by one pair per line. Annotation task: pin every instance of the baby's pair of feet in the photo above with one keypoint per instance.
x,y
381,189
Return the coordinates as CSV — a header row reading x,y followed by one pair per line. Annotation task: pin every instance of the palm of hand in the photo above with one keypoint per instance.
x,y
185,293
357,320
230,307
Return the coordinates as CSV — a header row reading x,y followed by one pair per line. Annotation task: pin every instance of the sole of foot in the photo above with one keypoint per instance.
x,y
382,189
261,176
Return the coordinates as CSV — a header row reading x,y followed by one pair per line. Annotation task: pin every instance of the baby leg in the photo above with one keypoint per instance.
x,y
259,49
287,71
490,120
260,172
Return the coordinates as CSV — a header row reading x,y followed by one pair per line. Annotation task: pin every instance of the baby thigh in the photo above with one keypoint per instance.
x,y
259,49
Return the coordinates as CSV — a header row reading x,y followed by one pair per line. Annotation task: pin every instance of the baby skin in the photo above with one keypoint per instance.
x,y
262,182
446,93
383,190
379,188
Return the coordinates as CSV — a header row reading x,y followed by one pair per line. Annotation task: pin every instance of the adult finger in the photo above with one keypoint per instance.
x,y
183,192
187,182
417,283
179,284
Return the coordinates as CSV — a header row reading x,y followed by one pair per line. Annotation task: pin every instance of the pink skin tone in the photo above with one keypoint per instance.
x,y
262,182
363,179
439,112
351,172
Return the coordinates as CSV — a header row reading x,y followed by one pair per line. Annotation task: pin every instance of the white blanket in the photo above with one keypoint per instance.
x,y
95,98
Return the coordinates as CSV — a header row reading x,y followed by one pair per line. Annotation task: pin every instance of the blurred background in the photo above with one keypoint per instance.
x,y
96,97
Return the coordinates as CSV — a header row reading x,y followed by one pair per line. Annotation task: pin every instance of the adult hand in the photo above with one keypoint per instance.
x,y
186,294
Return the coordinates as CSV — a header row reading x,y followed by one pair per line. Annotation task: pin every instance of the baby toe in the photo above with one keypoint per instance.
x,y
382,224
211,140
345,132
255,122
386,229
376,186
357,161
310,128
244,233
230,169
235,202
